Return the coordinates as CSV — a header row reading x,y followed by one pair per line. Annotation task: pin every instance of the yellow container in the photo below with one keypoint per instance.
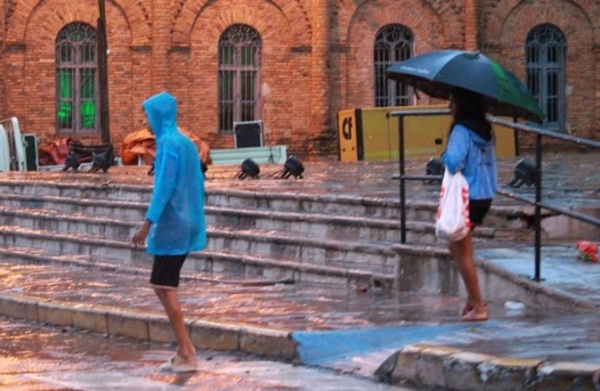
x,y
347,135
371,134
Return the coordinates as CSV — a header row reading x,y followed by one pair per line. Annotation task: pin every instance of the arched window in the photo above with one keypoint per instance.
x,y
239,74
545,56
393,43
76,79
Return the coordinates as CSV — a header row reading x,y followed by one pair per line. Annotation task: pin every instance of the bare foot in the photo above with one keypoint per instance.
x,y
476,315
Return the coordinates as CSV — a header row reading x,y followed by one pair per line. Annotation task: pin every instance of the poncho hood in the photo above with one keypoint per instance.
x,y
161,110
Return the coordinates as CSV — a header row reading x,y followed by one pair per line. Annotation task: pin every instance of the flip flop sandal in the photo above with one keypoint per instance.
x,y
178,365
466,309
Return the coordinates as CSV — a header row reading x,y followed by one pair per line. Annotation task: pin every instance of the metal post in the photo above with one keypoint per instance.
x,y
538,207
103,73
516,136
402,180
401,115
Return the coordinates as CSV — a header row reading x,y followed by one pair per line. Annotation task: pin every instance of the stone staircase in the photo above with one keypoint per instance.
x,y
258,234
276,234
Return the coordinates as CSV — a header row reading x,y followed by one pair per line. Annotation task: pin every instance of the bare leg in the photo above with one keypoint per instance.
x,y
462,254
170,301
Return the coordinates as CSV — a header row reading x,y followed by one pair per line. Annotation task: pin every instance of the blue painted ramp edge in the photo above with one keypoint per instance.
x,y
322,347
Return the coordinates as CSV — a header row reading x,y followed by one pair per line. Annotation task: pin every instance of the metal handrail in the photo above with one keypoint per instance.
x,y
539,132
402,177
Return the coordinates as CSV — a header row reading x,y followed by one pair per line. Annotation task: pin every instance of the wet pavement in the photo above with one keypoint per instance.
x,y
41,358
341,329
353,330
298,306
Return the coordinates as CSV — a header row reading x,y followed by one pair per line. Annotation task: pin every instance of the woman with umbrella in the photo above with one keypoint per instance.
x,y
475,84
470,150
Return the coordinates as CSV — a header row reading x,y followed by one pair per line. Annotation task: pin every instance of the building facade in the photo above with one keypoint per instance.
x,y
290,63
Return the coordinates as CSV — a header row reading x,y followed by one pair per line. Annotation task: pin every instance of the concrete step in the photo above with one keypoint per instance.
x,y
53,205
120,219
36,190
334,204
74,223
240,254
213,260
336,227
214,266
302,250
80,186
502,221
130,201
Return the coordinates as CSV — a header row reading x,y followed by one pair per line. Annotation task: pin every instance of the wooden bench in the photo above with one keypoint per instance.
x,y
260,155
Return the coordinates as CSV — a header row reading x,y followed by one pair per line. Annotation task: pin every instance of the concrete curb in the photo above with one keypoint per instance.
x,y
150,326
425,366
536,288
535,291
434,366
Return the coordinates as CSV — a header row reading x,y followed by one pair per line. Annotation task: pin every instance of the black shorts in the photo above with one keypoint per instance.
x,y
166,270
477,210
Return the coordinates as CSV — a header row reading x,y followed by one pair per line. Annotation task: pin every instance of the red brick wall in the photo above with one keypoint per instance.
x,y
432,29
30,92
317,57
471,22
3,7
505,28
284,79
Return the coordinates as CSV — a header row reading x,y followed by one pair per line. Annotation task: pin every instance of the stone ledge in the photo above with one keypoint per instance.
x,y
267,342
533,288
154,327
433,366
568,376
19,306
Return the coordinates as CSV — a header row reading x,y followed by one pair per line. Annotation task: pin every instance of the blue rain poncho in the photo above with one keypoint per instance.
x,y
177,205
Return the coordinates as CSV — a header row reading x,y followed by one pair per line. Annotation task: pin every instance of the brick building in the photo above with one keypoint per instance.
x,y
290,63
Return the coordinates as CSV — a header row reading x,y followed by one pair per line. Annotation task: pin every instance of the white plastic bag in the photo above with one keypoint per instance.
x,y
452,220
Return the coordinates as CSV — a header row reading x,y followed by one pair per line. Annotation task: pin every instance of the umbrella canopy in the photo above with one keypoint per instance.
x,y
437,72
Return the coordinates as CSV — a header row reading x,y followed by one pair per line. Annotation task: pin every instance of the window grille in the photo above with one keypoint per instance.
x,y
76,79
545,56
239,74
394,43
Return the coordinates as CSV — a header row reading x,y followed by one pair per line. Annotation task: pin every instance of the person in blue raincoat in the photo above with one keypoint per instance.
x,y
175,221
470,150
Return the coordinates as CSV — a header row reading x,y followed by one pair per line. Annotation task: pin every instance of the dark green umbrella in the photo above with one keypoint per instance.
x,y
435,73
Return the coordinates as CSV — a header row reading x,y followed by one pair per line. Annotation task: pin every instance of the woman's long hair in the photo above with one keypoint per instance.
x,y
469,111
